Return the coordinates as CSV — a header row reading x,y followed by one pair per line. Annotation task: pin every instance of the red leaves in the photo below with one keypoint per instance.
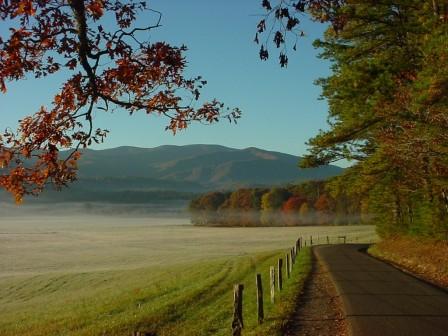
x,y
323,203
96,8
41,136
141,77
71,64
5,157
293,204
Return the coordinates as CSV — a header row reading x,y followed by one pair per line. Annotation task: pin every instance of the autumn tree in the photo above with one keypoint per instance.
x,y
324,207
274,198
305,214
291,208
108,66
293,204
204,209
242,199
241,209
271,203
351,196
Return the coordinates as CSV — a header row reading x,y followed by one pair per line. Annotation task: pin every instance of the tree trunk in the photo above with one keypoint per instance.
x,y
435,7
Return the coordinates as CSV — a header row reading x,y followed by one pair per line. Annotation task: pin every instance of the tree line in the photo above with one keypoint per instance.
x,y
309,203
388,111
388,104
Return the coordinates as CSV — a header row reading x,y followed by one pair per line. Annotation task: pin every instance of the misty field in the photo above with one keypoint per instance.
x,y
95,275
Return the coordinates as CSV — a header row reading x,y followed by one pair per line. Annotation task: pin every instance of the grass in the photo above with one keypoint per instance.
x,y
40,245
92,275
189,299
426,258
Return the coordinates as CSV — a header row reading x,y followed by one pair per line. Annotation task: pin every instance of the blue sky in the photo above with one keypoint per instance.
x,y
281,107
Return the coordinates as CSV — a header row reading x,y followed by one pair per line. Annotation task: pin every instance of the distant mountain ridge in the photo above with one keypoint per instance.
x,y
176,173
193,167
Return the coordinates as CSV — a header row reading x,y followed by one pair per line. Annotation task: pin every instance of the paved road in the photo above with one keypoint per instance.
x,y
380,300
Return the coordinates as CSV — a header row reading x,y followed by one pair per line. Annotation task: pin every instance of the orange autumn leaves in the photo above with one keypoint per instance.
x,y
25,8
307,203
108,66
96,8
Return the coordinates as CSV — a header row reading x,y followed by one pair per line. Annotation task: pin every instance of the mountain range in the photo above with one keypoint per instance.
x,y
194,167
129,174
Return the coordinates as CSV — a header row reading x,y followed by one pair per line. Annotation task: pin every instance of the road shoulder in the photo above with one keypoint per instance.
x,y
319,309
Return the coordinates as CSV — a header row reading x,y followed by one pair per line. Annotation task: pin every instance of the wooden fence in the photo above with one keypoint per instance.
x,y
290,257
276,278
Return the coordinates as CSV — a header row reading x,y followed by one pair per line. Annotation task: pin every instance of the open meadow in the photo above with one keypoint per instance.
x,y
81,274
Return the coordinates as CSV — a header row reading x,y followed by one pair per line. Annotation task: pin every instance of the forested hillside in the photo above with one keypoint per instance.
x,y
198,167
388,111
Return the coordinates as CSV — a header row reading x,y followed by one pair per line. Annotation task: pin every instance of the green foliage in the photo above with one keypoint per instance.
x,y
273,199
388,111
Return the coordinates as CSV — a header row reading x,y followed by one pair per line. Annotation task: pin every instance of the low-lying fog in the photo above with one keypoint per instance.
x,y
174,209
45,238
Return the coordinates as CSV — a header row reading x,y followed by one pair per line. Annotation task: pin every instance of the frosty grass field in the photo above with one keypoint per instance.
x,y
82,274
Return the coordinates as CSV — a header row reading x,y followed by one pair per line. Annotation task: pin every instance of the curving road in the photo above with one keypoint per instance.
x,y
380,300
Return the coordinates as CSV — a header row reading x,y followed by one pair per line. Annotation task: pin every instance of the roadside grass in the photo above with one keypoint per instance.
x,y
426,258
284,307
183,299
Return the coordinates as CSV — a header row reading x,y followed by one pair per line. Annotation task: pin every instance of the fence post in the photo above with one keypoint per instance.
x,y
272,283
259,299
237,323
311,240
328,240
279,274
292,255
291,258
288,262
343,237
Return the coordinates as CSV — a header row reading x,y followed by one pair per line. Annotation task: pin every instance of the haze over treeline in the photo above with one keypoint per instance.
x,y
308,203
